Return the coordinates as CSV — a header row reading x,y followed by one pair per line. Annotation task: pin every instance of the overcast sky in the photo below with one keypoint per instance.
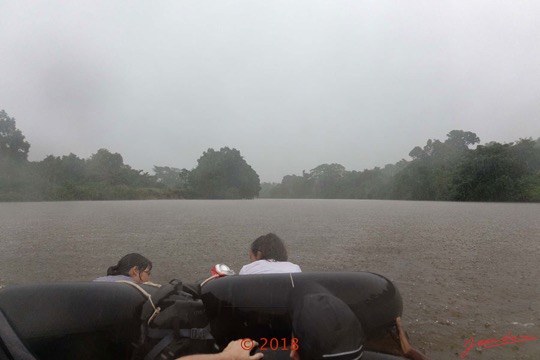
x,y
291,84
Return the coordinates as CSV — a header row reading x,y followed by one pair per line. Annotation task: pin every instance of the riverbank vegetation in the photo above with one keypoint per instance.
x,y
448,170
441,170
222,174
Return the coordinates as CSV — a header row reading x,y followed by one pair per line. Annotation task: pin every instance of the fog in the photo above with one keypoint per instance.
x,y
291,84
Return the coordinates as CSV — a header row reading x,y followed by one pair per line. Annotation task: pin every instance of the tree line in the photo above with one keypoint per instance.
x,y
222,174
446,170
441,170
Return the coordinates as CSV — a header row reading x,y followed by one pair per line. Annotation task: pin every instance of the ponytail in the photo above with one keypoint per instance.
x,y
112,270
127,263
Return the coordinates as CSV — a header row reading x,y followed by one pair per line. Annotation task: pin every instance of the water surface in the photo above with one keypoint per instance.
x,y
464,269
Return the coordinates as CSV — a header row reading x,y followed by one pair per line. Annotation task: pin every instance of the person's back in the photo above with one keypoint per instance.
x,y
268,255
269,267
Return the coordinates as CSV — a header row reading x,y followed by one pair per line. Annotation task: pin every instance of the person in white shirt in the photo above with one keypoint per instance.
x,y
268,255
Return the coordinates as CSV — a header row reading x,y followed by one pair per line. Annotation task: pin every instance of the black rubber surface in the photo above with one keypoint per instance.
x,y
74,320
99,320
256,305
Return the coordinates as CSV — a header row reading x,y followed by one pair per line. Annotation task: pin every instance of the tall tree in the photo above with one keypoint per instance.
x,y
104,166
293,186
490,173
224,174
174,179
12,143
327,180
67,169
461,140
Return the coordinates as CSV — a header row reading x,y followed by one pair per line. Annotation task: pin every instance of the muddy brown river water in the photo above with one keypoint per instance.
x,y
465,270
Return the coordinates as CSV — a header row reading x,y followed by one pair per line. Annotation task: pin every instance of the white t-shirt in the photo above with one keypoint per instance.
x,y
269,267
113,278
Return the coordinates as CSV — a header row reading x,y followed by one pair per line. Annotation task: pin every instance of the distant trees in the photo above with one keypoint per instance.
x,y
65,169
333,181
104,166
430,175
440,170
172,177
224,174
500,172
103,176
459,140
14,172
327,180
293,186
13,146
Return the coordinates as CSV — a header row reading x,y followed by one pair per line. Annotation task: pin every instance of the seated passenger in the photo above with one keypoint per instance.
x,y
268,255
132,267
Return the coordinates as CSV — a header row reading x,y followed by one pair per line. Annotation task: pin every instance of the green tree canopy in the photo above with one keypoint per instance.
x,y
224,174
65,169
12,143
461,140
104,166
174,178
490,173
293,186
327,180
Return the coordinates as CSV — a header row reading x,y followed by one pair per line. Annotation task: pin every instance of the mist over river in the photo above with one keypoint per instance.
x,y
465,270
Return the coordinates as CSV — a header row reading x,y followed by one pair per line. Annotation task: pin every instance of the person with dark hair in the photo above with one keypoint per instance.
x,y
325,327
132,267
268,255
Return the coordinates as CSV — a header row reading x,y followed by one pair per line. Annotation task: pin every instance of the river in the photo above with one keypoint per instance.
x,y
465,270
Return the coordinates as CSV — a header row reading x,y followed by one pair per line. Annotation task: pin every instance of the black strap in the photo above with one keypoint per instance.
x,y
195,333
12,342
163,292
159,347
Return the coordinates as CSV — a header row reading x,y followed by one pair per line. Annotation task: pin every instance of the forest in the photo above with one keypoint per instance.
x,y
222,174
446,170
449,170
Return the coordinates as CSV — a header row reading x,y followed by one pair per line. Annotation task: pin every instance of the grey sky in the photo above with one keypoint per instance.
x,y
291,84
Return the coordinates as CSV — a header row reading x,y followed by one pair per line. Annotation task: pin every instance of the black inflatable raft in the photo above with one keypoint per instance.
x,y
92,320
256,305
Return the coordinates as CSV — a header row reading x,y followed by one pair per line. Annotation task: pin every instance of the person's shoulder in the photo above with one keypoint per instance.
x,y
269,267
258,267
250,268
289,266
295,267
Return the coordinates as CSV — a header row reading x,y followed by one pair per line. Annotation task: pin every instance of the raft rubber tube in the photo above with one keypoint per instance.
x,y
84,320
100,320
249,305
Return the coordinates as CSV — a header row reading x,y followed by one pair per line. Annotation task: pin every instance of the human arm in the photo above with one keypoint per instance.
x,y
234,351
407,349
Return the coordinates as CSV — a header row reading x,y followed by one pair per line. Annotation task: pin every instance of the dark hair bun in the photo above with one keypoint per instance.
x,y
127,263
112,270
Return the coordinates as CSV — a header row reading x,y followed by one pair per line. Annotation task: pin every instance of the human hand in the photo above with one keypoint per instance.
x,y
237,350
